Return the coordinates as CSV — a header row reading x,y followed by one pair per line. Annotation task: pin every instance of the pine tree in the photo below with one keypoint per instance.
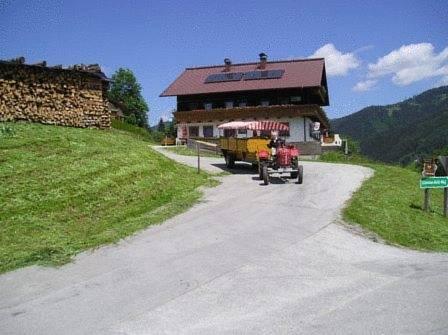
x,y
161,126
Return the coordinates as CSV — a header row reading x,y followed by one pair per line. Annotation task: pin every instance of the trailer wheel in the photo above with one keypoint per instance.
x,y
294,174
300,172
260,171
265,175
230,160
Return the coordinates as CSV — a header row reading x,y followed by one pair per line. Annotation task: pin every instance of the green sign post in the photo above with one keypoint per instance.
x,y
434,182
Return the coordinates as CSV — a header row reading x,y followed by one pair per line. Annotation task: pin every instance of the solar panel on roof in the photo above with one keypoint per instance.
x,y
274,74
220,77
267,74
237,76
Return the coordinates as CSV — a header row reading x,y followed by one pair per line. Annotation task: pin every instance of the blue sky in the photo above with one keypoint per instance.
x,y
378,53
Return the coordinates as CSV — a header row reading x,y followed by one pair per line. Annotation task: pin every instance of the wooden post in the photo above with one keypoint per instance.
x,y
445,202
426,204
199,158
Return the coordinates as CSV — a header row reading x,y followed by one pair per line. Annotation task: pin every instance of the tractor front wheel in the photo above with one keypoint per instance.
x,y
300,172
265,175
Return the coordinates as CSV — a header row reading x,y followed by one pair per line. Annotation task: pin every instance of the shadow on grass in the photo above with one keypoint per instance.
x,y
414,206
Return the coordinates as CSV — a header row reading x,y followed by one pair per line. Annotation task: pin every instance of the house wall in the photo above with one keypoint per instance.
x,y
299,129
52,96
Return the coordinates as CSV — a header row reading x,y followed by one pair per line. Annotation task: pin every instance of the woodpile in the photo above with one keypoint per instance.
x,y
70,97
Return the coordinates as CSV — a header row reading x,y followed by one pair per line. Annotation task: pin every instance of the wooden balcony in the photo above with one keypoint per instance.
x,y
314,112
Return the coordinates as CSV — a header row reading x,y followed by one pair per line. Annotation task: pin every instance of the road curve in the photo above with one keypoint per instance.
x,y
248,259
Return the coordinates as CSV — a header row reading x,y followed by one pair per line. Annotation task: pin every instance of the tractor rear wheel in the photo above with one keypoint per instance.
x,y
300,172
260,170
230,160
265,175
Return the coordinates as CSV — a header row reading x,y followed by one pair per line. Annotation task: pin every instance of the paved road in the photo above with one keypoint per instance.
x,y
249,259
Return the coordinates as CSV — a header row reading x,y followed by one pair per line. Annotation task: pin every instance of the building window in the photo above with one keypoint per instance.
x,y
229,104
296,99
208,131
284,133
242,103
208,106
229,132
284,101
242,131
265,133
265,103
193,131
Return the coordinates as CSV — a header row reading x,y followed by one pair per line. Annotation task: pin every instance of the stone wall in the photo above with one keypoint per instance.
x,y
70,97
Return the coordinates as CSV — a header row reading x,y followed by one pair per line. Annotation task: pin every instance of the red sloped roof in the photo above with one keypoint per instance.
x,y
298,73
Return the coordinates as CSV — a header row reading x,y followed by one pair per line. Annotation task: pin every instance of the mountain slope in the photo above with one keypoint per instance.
x,y
402,131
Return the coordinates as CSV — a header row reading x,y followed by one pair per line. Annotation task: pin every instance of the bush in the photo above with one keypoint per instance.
x,y
353,146
139,131
157,136
142,133
7,130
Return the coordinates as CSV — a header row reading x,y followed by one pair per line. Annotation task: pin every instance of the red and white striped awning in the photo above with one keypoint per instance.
x,y
234,125
267,125
255,125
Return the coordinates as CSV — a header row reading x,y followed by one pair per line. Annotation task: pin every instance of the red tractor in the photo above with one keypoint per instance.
x,y
282,160
271,156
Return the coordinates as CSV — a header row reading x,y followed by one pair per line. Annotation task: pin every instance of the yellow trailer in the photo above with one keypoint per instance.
x,y
242,149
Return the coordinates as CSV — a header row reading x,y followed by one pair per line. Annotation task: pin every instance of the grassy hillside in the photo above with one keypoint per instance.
x,y
390,205
402,131
65,190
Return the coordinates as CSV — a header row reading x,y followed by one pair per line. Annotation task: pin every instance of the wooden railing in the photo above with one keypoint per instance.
x,y
253,113
204,145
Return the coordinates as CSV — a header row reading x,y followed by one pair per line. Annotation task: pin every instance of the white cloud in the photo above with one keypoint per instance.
x,y
443,71
411,63
363,49
336,63
443,81
365,85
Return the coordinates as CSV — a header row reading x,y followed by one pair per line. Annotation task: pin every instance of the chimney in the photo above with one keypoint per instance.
x,y
263,60
18,60
227,64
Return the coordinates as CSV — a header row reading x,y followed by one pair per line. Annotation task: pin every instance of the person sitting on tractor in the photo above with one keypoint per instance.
x,y
275,142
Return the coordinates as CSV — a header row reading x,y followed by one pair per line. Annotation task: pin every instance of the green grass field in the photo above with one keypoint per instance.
x,y
183,150
64,190
390,205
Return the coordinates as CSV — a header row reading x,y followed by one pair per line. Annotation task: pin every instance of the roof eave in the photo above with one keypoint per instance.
x,y
239,91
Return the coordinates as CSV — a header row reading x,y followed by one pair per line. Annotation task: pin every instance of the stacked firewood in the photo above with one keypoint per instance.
x,y
69,97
